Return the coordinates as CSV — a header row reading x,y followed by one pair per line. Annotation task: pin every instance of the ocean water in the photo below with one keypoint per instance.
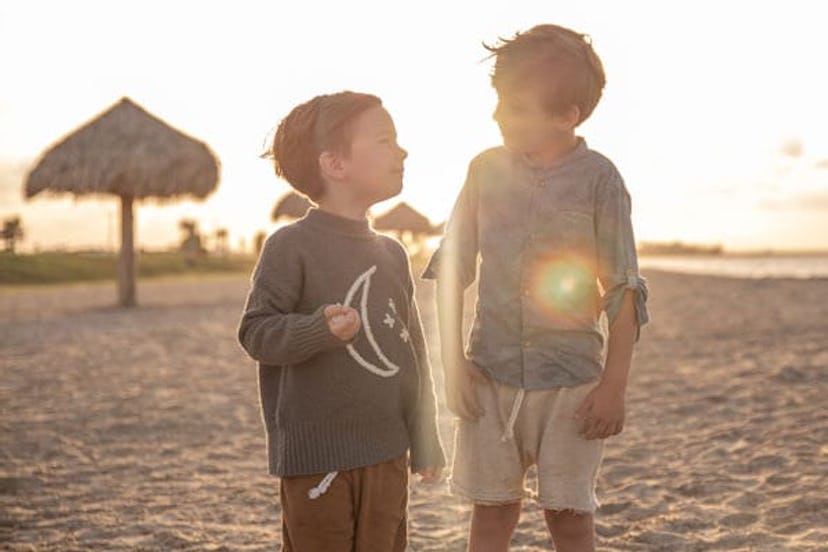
x,y
741,266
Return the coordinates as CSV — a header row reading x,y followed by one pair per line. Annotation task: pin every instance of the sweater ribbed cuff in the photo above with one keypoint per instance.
x,y
312,334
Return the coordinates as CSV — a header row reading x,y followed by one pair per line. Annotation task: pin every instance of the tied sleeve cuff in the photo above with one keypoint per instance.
x,y
615,295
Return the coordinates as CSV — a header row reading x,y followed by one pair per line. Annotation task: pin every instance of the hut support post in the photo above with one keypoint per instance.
x,y
126,260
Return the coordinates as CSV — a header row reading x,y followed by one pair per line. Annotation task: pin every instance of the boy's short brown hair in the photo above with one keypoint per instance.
x,y
558,58
320,124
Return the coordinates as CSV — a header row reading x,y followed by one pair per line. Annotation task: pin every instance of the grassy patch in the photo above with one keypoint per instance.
x,y
59,267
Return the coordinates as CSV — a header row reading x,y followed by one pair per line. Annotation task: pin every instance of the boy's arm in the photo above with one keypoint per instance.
x,y
616,252
454,266
460,374
269,330
622,336
427,455
602,412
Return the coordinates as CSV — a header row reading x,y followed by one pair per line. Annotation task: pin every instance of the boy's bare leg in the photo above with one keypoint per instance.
x,y
492,527
571,532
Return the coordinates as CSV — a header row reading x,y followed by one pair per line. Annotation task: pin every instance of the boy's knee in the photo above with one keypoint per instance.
x,y
492,526
569,523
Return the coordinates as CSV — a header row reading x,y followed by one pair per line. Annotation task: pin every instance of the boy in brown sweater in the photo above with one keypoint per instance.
x,y
346,388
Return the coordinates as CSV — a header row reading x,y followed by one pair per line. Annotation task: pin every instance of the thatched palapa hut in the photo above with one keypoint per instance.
x,y
404,218
127,152
290,206
409,225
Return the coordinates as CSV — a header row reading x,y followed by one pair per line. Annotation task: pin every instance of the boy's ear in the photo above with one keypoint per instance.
x,y
331,165
571,116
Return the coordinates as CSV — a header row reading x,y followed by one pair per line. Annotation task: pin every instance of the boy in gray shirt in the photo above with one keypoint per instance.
x,y
543,224
346,388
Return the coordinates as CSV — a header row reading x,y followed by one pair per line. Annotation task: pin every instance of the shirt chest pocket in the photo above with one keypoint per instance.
x,y
565,232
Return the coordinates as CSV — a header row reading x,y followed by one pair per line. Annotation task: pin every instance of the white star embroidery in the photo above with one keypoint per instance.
x,y
404,335
389,320
392,306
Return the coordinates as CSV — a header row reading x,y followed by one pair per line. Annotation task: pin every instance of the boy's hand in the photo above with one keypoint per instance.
x,y
430,475
602,412
343,321
461,395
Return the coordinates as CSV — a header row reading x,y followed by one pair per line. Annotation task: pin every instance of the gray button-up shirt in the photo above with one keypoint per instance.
x,y
551,248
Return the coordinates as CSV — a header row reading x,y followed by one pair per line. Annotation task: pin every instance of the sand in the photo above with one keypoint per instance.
x,y
140,429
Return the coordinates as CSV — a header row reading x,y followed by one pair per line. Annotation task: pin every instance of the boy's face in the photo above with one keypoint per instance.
x,y
528,127
374,168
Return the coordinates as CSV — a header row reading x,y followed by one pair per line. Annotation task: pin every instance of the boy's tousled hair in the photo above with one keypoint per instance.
x,y
559,58
320,124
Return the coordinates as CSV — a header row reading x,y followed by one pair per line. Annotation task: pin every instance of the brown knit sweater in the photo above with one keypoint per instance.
x,y
330,405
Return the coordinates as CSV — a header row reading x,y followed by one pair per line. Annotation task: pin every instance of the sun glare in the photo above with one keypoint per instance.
x,y
562,286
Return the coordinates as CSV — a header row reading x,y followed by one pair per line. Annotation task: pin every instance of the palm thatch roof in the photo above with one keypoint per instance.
x,y
132,154
126,151
404,218
291,206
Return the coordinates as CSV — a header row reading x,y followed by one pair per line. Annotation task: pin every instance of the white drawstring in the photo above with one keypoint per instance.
x,y
323,486
509,433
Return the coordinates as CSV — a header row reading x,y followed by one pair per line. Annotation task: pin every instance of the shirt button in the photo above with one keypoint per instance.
x,y
526,293
526,343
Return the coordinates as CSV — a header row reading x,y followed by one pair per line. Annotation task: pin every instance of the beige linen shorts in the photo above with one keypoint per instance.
x,y
523,428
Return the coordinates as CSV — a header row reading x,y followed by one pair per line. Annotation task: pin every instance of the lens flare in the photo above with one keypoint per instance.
x,y
563,287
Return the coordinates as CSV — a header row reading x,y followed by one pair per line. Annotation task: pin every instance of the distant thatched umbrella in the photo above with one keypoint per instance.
x,y
291,206
130,153
404,218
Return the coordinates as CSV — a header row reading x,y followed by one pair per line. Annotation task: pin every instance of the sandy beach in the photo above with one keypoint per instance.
x,y
140,429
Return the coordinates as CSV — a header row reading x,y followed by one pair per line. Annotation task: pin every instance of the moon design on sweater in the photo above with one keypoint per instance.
x,y
387,368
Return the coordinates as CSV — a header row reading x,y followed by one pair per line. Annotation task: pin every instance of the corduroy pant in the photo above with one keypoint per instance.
x,y
363,510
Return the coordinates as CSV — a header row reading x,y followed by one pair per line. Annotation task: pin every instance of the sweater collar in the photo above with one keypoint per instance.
x,y
330,222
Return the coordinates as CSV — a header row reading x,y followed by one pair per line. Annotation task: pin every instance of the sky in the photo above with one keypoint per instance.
x,y
714,112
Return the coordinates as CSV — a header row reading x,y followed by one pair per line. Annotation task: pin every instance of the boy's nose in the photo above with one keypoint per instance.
x,y
497,114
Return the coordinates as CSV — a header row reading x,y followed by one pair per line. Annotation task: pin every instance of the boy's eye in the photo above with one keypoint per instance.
x,y
514,107
510,107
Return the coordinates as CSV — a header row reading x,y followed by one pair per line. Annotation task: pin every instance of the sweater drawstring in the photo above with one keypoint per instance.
x,y
509,432
322,488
